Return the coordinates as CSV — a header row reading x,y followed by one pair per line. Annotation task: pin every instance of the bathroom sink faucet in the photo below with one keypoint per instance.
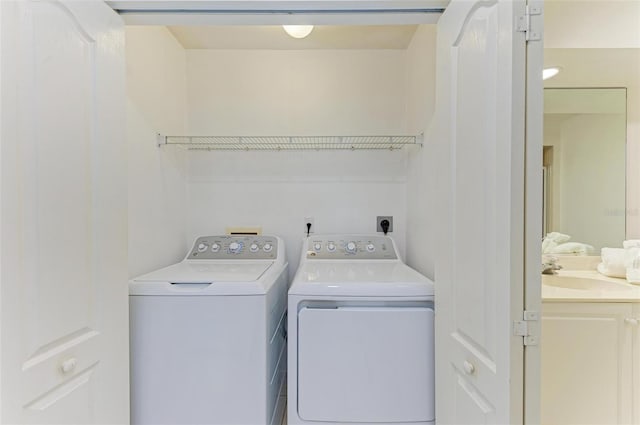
x,y
551,266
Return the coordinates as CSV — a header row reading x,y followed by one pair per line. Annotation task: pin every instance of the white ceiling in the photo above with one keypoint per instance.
x,y
274,37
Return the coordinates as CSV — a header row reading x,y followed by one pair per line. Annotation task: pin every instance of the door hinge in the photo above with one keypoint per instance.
x,y
530,27
521,327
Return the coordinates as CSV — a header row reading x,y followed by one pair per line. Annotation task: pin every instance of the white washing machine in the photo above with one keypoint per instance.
x,y
361,335
208,343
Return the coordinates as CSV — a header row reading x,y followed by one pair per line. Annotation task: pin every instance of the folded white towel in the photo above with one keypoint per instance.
x,y
633,276
552,240
558,237
575,248
548,245
632,261
613,256
631,243
614,262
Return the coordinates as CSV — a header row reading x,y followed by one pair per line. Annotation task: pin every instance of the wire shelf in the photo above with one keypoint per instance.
x,y
278,143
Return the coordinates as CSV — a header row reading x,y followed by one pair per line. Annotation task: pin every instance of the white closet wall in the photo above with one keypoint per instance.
x,y
420,190
177,195
156,91
295,92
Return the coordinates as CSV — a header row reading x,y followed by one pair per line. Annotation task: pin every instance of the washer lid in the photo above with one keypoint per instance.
x,y
204,278
374,279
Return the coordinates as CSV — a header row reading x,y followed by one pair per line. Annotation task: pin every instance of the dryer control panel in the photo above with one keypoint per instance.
x,y
349,247
225,247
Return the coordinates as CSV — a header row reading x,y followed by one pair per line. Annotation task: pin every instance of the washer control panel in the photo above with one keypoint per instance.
x,y
237,247
350,247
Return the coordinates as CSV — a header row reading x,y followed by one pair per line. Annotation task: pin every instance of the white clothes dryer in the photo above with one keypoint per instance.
x,y
361,335
207,340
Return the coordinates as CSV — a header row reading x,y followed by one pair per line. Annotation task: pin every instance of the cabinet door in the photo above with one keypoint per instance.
x,y
635,325
64,214
586,363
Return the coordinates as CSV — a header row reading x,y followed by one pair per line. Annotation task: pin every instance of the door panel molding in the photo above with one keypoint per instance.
x,y
59,346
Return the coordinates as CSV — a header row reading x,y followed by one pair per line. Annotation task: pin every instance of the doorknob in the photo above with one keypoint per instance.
x,y
68,365
468,367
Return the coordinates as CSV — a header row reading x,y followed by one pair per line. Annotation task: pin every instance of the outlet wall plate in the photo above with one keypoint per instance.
x,y
379,220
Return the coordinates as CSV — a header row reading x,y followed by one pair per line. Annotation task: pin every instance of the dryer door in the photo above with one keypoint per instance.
x,y
366,364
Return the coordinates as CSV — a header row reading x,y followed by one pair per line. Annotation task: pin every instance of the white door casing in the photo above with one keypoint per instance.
x,y
63,283
533,208
479,132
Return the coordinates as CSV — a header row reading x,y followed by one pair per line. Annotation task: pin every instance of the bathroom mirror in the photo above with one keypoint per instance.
x,y
584,165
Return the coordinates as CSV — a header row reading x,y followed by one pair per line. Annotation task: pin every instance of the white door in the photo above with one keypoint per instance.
x,y
63,260
480,266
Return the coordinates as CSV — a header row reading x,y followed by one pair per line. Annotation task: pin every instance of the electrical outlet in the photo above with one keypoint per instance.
x,y
379,220
306,221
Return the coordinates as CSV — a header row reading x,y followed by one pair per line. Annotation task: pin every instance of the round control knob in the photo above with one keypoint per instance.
x,y
371,247
317,246
254,247
234,247
331,247
267,247
215,247
202,247
351,247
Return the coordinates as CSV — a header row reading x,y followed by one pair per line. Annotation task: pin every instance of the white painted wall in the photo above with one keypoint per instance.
x,y
156,90
283,92
343,191
327,92
420,105
592,24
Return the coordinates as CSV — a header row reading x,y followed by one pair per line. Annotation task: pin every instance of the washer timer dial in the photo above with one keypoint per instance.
x,y
235,247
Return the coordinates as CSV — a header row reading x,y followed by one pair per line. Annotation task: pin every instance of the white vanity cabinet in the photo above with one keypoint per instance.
x,y
635,325
588,373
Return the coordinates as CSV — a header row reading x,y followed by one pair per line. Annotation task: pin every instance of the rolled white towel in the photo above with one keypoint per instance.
x,y
614,262
575,248
602,269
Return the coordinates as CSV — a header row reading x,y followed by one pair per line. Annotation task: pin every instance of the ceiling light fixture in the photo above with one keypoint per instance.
x,y
550,72
298,31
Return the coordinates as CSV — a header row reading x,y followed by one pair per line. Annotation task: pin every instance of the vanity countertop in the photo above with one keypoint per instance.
x,y
587,286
